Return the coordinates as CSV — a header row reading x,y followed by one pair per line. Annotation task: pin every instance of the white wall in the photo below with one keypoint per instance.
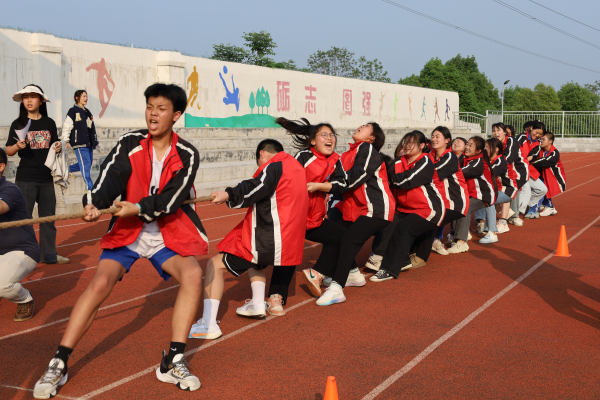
x,y
60,66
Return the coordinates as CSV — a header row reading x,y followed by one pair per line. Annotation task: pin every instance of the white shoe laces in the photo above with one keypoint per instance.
x,y
52,373
180,368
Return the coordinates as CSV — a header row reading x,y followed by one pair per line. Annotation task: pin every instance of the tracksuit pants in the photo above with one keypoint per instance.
x,y
531,194
462,225
488,214
423,243
15,266
85,157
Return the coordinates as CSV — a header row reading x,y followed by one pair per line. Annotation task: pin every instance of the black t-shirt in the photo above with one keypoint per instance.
x,y
42,134
23,237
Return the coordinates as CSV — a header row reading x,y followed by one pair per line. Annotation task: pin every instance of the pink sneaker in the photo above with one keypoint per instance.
x,y
275,305
313,280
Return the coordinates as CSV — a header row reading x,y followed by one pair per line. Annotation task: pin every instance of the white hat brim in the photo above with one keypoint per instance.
x,y
18,97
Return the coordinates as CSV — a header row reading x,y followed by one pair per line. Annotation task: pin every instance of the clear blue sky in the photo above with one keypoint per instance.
x,y
404,42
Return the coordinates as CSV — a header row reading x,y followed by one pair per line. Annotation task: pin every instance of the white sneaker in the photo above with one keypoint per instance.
x,y
458,247
510,213
516,221
502,226
356,279
46,387
469,237
481,225
439,247
251,310
542,207
179,374
201,330
333,295
373,264
548,211
491,237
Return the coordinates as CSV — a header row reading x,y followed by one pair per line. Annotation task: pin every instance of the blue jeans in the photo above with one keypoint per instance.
x,y
85,156
489,213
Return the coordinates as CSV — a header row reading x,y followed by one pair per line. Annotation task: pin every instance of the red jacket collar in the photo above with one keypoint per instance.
x,y
355,144
408,165
468,159
278,157
334,156
549,151
494,160
433,155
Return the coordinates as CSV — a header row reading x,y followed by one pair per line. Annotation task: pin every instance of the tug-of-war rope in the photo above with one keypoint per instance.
x,y
52,218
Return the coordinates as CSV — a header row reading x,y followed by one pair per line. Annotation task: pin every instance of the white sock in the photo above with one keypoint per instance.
x,y
211,307
375,257
258,293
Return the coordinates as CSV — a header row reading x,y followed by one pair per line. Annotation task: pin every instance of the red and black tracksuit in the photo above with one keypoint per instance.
x,y
127,172
551,168
368,202
514,157
420,208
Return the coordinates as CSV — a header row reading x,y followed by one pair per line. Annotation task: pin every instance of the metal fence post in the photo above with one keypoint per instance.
x,y
563,125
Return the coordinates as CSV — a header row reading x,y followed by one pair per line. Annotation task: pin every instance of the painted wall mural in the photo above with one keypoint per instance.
x,y
192,84
103,78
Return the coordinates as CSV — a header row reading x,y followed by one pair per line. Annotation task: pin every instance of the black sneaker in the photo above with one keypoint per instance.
x,y
381,275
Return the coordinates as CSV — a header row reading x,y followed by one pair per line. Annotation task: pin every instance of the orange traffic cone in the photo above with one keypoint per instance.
x,y
563,245
331,389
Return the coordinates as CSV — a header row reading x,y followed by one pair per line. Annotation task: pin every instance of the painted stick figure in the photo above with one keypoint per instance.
x,y
447,111
103,79
436,111
423,114
231,97
192,82
395,102
381,105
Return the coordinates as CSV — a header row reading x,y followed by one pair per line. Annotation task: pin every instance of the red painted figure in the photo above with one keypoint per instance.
x,y
366,103
347,101
103,79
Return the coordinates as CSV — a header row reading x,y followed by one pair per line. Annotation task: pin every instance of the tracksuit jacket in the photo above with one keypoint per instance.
x,y
365,185
450,182
272,233
505,176
415,191
551,168
127,172
514,157
479,179
529,148
319,168
79,128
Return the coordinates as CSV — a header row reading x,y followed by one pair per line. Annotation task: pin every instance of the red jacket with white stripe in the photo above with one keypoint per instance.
x,y
318,168
450,182
479,179
530,148
127,172
272,233
365,185
552,170
415,191
506,177
514,157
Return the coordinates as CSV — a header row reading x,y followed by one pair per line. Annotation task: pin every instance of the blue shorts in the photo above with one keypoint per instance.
x,y
127,257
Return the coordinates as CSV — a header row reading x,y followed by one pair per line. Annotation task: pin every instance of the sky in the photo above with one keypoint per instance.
x,y
402,41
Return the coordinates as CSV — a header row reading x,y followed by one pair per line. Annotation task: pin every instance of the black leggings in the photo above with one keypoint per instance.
x,y
423,243
409,226
329,235
355,236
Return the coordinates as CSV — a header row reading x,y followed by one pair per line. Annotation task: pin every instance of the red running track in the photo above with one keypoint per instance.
x,y
459,328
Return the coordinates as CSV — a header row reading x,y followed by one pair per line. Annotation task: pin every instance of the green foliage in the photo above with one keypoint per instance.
x,y
413,80
251,102
267,101
339,61
230,53
370,70
541,98
263,98
574,97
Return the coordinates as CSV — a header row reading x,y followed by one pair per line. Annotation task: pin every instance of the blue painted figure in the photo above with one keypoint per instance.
x,y
231,97
447,111
423,114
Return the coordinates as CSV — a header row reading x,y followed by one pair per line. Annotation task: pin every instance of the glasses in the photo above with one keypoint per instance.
x,y
328,135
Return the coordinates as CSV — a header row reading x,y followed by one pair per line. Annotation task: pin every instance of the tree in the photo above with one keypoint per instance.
x,y
261,45
370,70
251,102
267,101
258,101
335,62
230,53
574,97
413,80
263,99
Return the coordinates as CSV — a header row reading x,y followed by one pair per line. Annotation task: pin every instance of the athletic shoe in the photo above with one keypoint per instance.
x,y
201,330
542,207
491,237
469,237
251,310
532,215
516,221
275,305
481,225
62,260
510,213
458,247
313,280
381,275
356,279
373,264
439,247
178,374
333,295
548,211
502,226
56,375
24,311
417,262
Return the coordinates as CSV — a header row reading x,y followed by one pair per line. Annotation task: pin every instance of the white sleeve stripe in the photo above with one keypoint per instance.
x,y
132,152
113,159
366,165
185,180
262,183
441,166
313,158
414,173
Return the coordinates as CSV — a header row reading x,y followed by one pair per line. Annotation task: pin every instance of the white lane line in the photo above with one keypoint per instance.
x,y
55,276
187,353
575,169
100,309
432,347
31,390
91,240
222,216
575,187
581,158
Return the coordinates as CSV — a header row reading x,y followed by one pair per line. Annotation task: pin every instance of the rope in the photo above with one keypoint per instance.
x,y
52,218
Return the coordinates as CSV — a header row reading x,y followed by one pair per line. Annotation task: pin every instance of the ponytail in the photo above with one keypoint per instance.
x,y
302,132
480,146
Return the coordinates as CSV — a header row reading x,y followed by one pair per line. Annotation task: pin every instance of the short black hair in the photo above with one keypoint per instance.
x,y
378,135
169,91
539,125
462,139
270,146
550,136
527,124
3,158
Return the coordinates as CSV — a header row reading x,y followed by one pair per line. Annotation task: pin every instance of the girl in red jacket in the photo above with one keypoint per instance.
x,y
482,189
368,202
419,205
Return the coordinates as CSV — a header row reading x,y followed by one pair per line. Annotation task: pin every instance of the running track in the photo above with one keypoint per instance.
x,y
502,321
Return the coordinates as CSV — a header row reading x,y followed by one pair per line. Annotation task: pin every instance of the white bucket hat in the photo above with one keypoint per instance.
x,y
18,97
